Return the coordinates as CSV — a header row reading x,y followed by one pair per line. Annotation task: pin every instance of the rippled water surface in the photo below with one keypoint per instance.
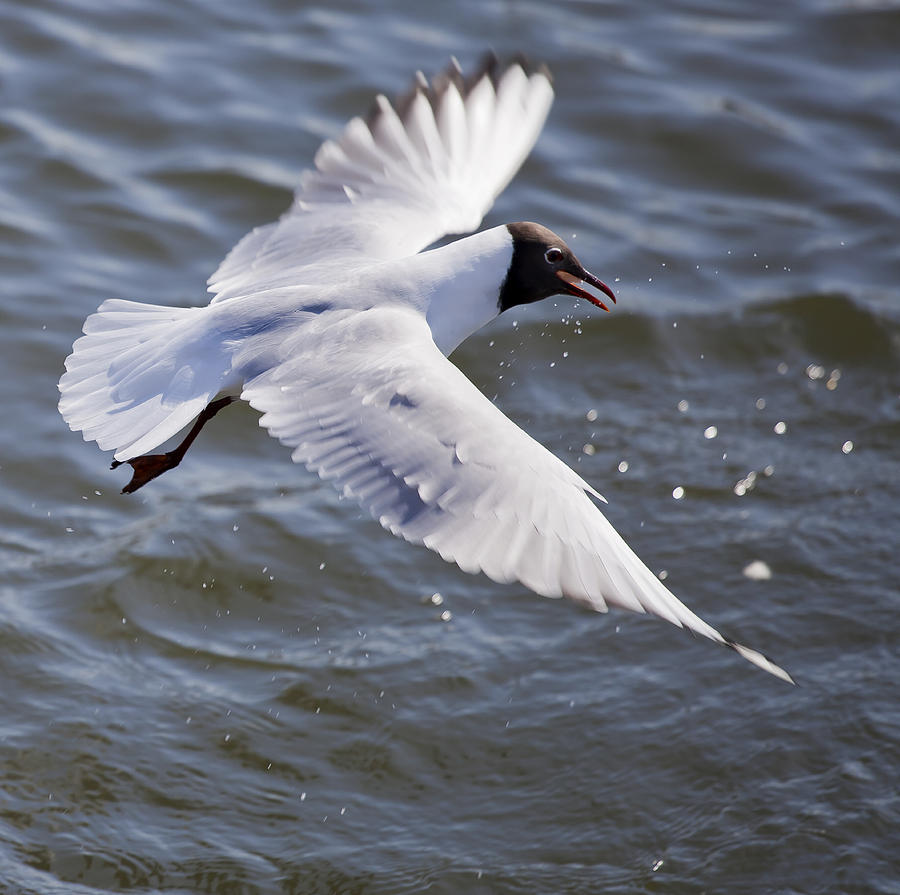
x,y
232,682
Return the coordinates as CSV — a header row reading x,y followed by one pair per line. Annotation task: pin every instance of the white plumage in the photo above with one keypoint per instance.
x,y
387,189
335,325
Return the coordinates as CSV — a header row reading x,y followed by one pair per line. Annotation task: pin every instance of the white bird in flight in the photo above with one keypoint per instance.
x,y
335,324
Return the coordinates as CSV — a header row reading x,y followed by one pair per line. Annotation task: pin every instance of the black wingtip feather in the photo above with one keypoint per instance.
x,y
404,101
489,66
746,653
373,114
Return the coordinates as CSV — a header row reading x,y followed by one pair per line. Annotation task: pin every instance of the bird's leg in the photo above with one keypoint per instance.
x,y
148,466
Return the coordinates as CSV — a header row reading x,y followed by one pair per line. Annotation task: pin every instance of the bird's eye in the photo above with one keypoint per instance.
x,y
553,256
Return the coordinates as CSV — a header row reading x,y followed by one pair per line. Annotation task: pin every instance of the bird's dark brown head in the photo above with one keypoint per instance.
x,y
543,265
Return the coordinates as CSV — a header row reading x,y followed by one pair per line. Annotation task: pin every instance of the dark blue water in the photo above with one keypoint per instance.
x,y
233,682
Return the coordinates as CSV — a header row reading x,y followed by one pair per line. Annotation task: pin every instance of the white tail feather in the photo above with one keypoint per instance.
x,y
139,374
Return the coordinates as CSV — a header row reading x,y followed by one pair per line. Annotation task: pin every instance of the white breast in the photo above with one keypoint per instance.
x,y
459,284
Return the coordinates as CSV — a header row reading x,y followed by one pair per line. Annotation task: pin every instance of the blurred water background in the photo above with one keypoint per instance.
x,y
233,682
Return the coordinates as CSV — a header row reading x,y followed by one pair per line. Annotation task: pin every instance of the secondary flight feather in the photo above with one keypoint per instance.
x,y
335,323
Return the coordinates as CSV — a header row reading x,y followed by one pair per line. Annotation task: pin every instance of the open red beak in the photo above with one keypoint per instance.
x,y
574,284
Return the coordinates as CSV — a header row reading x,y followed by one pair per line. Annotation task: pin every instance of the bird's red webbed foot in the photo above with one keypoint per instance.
x,y
148,466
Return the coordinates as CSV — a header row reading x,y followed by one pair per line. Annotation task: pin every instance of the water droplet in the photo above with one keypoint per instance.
x,y
663,574
745,484
683,406
782,368
815,371
760,403
780,427
657,864
591,416
757,571
678,492
710,432
446,615
623,466
847,446
589,449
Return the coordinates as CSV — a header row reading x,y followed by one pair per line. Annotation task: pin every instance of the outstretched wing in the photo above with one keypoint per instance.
x,y
430,165
401,430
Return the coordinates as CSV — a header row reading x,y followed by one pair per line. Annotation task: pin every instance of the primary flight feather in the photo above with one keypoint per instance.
x,y
335,325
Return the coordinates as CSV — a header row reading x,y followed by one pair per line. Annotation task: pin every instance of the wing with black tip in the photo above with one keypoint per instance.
x,y
429,165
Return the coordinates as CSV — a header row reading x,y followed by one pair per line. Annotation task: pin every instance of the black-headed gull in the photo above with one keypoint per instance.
x,y
336,325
